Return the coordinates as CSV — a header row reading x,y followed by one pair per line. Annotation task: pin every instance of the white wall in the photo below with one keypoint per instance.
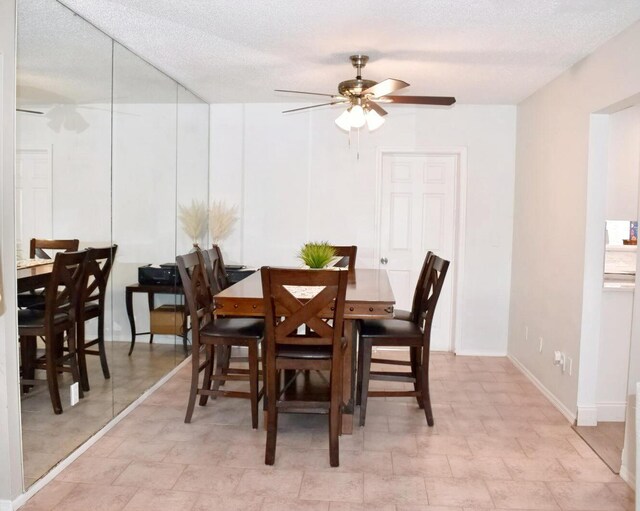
x,y
623,166
10,443
296,178
550,216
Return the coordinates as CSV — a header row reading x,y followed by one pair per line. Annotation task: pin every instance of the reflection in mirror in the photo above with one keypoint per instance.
x,y
63,191
113,150
620,249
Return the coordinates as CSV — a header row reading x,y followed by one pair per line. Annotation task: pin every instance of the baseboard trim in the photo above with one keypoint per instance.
x,y
571,417
587,416
55,471
612,411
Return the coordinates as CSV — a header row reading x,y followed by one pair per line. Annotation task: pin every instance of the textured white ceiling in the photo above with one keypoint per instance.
x,y
481,51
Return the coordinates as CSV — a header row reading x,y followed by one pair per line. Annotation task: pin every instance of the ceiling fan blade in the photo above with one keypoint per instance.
x,y
385,87
423,100
377,108
28,111
312,106
302,92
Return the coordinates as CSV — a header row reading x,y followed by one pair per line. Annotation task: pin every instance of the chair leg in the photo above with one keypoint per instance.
x,y
359,373
28,351
253,383
424,384
219,367
335,411
52,376
272,414
226,361
82,356
367,347
208,370
101,347
414,355
195,374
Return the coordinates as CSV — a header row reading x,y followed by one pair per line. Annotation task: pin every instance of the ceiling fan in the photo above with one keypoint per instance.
x,y
362,98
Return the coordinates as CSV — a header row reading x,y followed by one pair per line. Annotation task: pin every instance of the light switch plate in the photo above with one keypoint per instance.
x,y
75,393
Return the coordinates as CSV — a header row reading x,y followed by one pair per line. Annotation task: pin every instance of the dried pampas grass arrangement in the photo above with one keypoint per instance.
x,y
222,219
193,219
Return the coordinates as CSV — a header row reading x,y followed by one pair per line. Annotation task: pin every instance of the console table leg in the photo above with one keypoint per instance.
x,y
151,307
132,320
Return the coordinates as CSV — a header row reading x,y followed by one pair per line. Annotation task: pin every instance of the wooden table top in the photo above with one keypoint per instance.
x,y
369,295
34,277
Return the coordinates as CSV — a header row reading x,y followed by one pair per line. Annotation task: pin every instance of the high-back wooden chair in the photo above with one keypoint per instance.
x,y
51,323
91,304
38,247
349,253
214,337
410,315
321,312
216,271
414,334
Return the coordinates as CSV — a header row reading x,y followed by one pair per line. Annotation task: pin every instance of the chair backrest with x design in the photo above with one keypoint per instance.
x,y
63,289
434,280
216,272
96,274
294,298
420,287
348,252
195,284
37,247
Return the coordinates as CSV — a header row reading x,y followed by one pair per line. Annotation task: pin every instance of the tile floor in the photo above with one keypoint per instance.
x,y
130,377
497,444
607,440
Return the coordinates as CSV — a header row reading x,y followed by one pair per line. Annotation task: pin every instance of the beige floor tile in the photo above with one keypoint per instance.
x,y
585,497
393,489
506,428
466,467
521,495
625,496
443,444
207,479
227,503
458,492
270,483
547,447
419,464
161,500
349,506
477,412
494,447
537,469
49,496
148,474
378,441
97,497
588,470
195,453
294,505
132,449
88,469
332,486
423,507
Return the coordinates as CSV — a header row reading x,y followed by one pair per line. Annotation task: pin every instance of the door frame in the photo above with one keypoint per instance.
x,y
460,201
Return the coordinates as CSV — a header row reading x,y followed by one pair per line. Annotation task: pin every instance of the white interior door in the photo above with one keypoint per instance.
x,y
418,214
34,215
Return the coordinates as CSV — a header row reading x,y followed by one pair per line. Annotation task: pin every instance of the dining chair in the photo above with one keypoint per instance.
x,y
349,253
319,348
414,334
211,336
37,248
91,304
216,270
51,323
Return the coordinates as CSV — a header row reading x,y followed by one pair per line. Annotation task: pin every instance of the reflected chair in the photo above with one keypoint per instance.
x,y
348,253
91,304
414,334
319,348
38,248
216,270
211,336
51,323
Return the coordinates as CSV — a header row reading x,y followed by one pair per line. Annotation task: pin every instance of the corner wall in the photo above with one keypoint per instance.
x,y
297,177
10,440
551,210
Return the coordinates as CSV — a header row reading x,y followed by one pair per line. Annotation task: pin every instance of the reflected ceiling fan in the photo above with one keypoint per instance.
x,y
362,97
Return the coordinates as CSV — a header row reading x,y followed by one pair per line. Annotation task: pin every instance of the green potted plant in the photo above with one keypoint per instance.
x,y
317,255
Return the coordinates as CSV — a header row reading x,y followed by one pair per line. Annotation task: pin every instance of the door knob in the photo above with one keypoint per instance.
x,y
384,260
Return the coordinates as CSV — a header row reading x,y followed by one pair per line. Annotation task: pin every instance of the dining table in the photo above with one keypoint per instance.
x,y
33,274
369,296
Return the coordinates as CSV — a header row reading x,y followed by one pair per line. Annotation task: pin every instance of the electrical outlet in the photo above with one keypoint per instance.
x,y
75,393
563,362
557,358
526,333
569,363
540,345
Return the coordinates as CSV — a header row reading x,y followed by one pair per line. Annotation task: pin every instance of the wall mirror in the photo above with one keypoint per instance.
x,y
108,149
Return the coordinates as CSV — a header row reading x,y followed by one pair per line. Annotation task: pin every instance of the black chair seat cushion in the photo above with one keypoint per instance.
x,y
33,318
300,351
244,328
389,328
26,300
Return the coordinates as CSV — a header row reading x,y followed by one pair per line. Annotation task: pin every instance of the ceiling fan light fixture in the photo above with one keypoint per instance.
x,y
374,120
343,121
357,117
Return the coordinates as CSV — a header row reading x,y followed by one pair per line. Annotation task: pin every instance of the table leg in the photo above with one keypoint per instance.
x,y
348,366
132,319
150,296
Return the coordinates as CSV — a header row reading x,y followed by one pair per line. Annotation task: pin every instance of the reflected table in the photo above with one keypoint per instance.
x,y
369,296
